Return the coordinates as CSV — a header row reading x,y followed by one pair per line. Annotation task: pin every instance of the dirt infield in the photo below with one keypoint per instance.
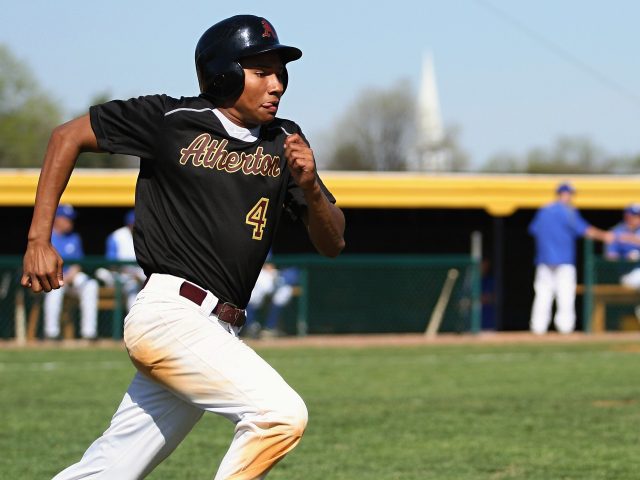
x,y
370,340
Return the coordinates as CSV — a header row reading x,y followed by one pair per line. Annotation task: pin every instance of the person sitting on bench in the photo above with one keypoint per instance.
x,y
69,244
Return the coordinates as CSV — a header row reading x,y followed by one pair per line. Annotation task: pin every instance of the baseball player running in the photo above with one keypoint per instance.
x,y
216,173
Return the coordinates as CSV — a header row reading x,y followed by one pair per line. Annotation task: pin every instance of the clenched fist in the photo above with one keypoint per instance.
x,y
300,161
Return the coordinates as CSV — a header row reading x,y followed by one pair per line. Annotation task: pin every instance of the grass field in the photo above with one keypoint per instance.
x,y
527,411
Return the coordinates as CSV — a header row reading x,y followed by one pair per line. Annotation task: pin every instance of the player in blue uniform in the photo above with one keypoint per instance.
x,y
626,246
119,246
555,228
277,286
621,248
69,244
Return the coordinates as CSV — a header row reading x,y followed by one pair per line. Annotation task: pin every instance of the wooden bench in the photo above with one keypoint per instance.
x,y
604,294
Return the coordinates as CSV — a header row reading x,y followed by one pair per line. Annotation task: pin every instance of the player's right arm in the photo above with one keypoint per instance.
x,y
42,265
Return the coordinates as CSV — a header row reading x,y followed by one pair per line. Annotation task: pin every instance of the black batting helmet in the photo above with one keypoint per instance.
x,y
220,48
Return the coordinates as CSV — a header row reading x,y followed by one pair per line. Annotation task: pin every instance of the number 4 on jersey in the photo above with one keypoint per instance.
x,y
257,218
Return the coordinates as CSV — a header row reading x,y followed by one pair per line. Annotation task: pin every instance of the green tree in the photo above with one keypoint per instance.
x,y
376,131
458,158
565,156
627,164
27,115
568,155
503,162
347,156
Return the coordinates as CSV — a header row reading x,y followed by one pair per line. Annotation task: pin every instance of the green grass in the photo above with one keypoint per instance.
x,y
559,411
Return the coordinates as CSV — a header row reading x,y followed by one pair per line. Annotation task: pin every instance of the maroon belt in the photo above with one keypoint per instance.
x,y
224,311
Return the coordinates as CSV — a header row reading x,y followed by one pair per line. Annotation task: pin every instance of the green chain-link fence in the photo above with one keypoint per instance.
x,y
349,294
379,293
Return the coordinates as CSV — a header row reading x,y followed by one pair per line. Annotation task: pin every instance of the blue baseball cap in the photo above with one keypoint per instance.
x,y
130,217
633,209
66,210
565,187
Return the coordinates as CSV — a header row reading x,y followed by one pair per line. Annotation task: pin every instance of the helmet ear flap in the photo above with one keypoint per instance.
x,y
220,80
284,78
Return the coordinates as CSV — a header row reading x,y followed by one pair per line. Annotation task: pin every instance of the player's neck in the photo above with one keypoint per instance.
x,y
234,130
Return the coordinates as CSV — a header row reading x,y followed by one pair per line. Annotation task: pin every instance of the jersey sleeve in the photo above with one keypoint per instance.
x,y
534,225
294,202
579,224
129,127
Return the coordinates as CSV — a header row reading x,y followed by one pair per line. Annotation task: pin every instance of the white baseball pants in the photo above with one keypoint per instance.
x,y
86,289
265,285
554,282
269,284
631,279
189,362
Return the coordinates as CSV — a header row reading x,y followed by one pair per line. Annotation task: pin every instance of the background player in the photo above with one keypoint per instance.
x,y
216,173
85,288
555,228
626,247
275,286
119,246
623,248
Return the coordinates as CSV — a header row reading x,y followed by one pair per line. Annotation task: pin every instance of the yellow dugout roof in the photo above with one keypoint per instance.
x,y
500,195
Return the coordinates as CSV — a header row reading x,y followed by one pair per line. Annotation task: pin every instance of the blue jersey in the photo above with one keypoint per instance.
x,y
555,228
69,245
622,250
119,245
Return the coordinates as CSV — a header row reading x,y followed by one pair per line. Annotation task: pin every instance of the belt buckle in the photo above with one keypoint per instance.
x,y
229,313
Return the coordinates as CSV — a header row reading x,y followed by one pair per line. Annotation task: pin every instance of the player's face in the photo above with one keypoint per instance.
x,y
258,103
565,197
62,224
633,221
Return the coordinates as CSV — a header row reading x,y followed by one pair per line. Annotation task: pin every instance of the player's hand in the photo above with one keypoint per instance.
x,y
300,160
41,268
609,237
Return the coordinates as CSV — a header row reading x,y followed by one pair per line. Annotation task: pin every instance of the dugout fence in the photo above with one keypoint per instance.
x,y
349,294
607,303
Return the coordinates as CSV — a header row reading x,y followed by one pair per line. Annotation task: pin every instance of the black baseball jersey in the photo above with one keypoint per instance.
x,y
207,204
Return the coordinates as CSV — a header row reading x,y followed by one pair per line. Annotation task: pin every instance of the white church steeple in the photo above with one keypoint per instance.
x,y
430,135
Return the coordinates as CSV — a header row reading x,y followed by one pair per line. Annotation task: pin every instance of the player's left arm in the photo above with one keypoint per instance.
x,y
628,237
595,233
325,222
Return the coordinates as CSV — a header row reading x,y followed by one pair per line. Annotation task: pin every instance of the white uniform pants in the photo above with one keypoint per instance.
x,y
631,279
189,362
554,282
267,284
86,289
131,279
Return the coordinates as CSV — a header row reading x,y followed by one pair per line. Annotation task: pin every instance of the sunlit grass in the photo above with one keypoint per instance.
x,y
435,412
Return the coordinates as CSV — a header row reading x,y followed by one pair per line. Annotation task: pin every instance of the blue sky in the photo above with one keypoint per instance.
x,y
511,74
